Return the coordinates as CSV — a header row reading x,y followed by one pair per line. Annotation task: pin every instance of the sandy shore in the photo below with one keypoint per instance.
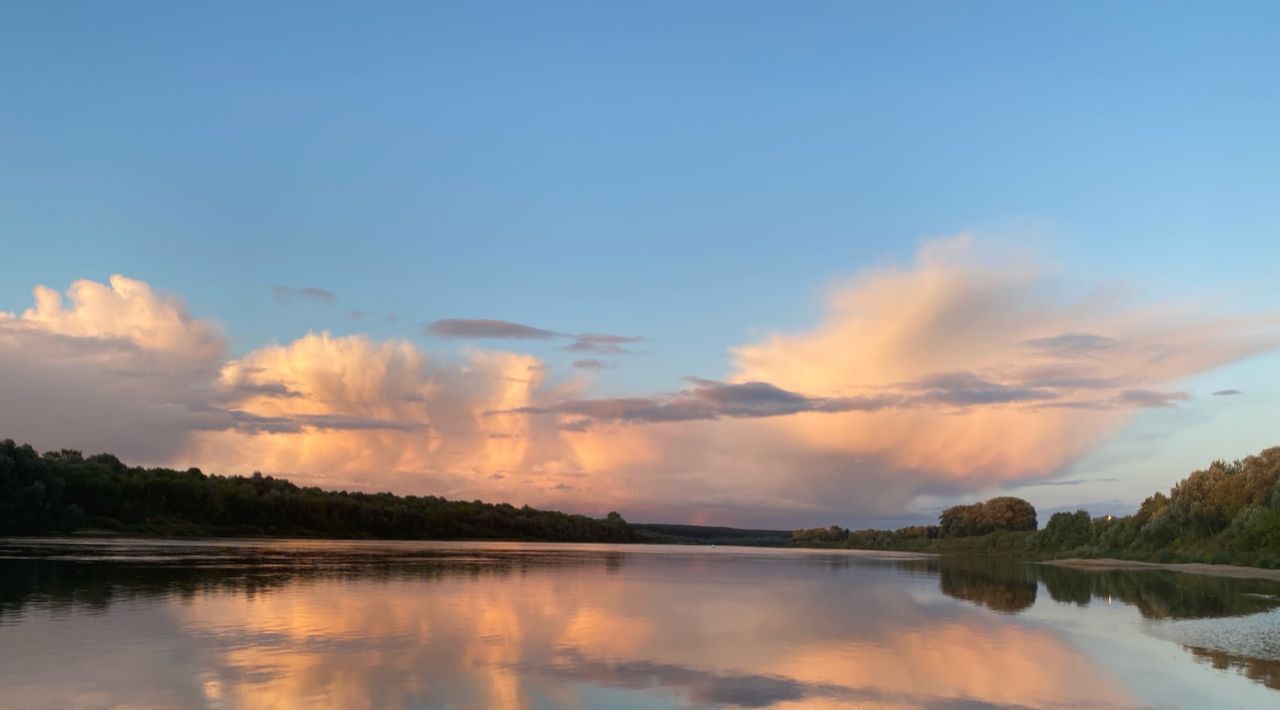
x,y
1189,568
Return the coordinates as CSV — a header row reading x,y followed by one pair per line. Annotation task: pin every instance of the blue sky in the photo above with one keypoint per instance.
x,y
698,174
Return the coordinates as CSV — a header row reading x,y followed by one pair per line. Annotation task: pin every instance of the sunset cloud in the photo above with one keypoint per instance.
x,y
708,399
955,373
125,309
365,408
958,372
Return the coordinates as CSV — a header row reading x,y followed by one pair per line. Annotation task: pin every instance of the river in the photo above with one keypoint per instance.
x,y
145,623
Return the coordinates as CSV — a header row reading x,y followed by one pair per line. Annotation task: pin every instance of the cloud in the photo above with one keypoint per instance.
x,y
601,344
124,309
1227,393
958,372
707,400
241,390
590,364
1150,398
248,423
367,413
486,329
1072,343
963,389
1065,482
123,367
118,367
285,294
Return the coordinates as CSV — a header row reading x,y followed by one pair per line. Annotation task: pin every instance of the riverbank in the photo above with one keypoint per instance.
x,y
1211,570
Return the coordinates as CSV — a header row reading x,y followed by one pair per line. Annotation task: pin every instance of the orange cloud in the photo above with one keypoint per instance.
x,y
395,412
126,309
493,643
954,373
972,334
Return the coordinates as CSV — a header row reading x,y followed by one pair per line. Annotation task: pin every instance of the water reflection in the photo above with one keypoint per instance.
x,y
1260,670
491,625
1011,586
1000,585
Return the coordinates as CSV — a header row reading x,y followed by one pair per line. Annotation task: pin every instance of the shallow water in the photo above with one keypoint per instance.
x,y
251,624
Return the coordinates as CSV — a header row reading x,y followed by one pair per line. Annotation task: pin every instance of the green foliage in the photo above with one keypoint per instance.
x,y
1228,513
1066,531
660,533
1002,513
821,537
62,492
908,538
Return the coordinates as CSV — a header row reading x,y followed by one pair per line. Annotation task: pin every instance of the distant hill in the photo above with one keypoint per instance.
x,y
660,533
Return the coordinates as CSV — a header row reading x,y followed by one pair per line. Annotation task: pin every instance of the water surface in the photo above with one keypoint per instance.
x,y
251,624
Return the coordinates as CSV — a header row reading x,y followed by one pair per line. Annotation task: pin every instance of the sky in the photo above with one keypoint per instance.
x,y
765,264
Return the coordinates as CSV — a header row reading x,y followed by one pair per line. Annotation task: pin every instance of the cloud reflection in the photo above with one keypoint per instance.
x,y
404,625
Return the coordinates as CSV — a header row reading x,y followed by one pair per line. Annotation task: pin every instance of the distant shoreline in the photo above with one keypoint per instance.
x,y
1237,571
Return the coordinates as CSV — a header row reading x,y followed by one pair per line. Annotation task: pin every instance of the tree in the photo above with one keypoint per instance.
x,y
1066,531
64,491
1001,513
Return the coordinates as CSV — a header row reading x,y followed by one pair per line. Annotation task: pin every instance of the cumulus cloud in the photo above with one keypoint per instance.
x,y
124,309
354,412
123,367
948,375
116,367
955,373
285,294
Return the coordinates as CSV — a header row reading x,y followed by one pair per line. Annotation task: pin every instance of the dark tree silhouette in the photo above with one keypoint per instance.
x,y
63,491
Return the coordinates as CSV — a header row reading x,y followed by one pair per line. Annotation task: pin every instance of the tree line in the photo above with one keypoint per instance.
x,y
1228,513
64,491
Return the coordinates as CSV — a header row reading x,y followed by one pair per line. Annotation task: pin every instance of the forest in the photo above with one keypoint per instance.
x,y
64,492
1228,513
667,534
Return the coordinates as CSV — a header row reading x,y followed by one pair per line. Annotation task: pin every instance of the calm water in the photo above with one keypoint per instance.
x,y
217,624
